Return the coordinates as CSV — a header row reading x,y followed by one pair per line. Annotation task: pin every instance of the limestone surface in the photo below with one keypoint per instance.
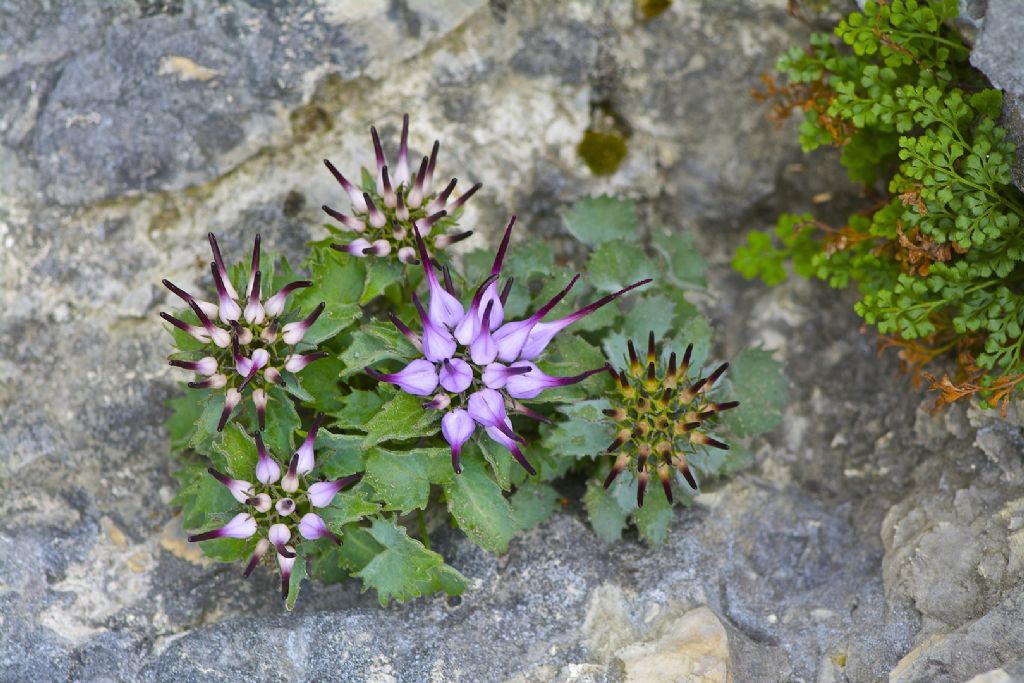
x,y
870,541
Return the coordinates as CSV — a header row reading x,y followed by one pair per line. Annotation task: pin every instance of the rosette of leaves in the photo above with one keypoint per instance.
x,y
937,261
407,486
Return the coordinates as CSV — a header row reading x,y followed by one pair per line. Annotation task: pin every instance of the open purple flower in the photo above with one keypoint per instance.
x,y
277,514
383,215
482,363
248,340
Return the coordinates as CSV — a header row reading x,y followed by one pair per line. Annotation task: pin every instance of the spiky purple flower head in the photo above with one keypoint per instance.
x,y
274,514
248,339
482,363
385,212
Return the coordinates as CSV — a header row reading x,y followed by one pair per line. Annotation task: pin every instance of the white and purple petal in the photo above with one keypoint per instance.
x,y
418,378
456,427
455,375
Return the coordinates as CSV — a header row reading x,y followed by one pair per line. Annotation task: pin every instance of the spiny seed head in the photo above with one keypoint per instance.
x,y
662,418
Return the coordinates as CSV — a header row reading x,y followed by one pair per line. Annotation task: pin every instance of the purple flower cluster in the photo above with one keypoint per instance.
x,y
249,341
483,364
279,508
384,216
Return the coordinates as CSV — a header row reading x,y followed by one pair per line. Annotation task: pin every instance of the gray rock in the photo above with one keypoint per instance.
x,y
127,130
999,54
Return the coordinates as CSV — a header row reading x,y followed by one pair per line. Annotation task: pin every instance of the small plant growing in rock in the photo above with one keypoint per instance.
x,y
936,259
333,425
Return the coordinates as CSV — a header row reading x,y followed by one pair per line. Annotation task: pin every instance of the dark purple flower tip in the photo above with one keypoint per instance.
x,y
714,376
529,412
377,217
390,197
355,195
242,525
449,286
181,293
402,170
204,366
499,258
505,291
521,459
261,549
442,198
617,467
425,224
378,150
231,399
416,193
350,222
292,333
445,241
704,440
684,469
219,264
641,487
216,381
406,331
541,334
666,484
428,179
465,197
254,262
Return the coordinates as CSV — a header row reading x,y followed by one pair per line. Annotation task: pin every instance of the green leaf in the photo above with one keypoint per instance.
x,y
185,411
476,503
501,461
616,264
654,518
583,434
357,408
400,479
348,507
757,383
294,386
337,281
685,265
403,417
326,566
570,355
203,499
282,421
405,568
652,313
358,548
295,582
532,503
335,318
596,220
205,430
338,455
381,273
320,381
228,549
607,518
373,343
239,452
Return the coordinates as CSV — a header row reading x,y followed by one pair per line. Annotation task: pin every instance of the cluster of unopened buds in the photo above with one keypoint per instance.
x,y
660,418
279,507
249,340
484,365
384,214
